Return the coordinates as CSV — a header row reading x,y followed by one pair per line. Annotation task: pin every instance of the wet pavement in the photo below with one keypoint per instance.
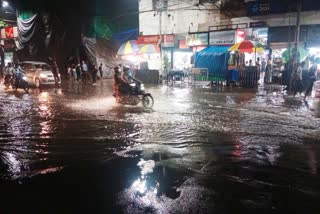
x,y
200,150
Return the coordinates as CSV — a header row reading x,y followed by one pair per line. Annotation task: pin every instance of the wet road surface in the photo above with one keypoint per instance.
x,y
74,150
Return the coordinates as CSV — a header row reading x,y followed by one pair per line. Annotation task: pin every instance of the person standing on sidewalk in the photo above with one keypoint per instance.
x,y
311,78
78,71
94,74
297,79
85,70
101,71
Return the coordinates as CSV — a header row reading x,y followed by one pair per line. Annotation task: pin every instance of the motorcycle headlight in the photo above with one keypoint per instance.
x,y
24,78
43,76
142,87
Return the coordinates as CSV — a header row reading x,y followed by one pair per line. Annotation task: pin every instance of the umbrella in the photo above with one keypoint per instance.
x,y
247,47
130,47
148,49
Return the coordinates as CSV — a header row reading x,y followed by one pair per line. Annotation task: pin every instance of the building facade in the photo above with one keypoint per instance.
x,y
178,16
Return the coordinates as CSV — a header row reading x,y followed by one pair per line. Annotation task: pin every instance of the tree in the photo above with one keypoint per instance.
x,y
3,24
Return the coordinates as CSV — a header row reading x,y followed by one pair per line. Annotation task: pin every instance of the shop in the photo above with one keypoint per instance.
x,y
7,36
151,59
281,42
198,42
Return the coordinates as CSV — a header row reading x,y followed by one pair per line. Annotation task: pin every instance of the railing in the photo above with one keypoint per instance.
x,y
249,77
228,27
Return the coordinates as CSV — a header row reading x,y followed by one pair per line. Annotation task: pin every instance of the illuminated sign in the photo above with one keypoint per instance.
x,y
222,37
9,33
197,39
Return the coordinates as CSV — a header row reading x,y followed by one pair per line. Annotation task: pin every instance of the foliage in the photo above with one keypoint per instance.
x,y
287,55
3,24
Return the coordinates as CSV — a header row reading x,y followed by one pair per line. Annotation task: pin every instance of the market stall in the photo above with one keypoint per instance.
x,y
243,65
215,59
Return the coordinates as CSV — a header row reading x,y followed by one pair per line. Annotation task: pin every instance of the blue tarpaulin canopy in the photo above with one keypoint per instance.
x,y
125,36
215,59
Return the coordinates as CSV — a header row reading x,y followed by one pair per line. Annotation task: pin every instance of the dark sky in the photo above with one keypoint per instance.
x,y
82,7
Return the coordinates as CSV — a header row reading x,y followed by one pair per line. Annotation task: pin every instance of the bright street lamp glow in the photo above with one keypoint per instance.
x,y
5,4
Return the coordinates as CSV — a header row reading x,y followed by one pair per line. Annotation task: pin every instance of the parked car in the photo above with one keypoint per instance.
x,y
316,89
316,103
38,73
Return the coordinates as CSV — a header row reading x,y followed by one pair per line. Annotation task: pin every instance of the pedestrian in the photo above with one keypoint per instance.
x,y
263,65
101,71
250,62
94,74
268,73
297,79
78,71
55,72
263,70
84,70
311,78
69,72
74,72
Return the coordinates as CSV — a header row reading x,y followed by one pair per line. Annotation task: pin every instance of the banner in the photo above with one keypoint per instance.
x,y
9,33
197,39
167,40
222,37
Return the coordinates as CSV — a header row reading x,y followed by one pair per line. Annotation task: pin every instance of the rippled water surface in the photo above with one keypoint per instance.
x,y
200,150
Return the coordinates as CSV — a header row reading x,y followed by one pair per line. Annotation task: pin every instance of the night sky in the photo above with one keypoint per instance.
x,y
121,12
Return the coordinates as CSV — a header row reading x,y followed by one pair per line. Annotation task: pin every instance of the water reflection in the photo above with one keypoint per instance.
x,y
141,185
45,113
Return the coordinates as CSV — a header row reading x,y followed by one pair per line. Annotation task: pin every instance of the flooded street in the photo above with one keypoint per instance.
x,y
200,150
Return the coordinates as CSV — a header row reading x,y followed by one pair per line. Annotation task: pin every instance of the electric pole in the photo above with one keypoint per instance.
x,y
297,37
160,8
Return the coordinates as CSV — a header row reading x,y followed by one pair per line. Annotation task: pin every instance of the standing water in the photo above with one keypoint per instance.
x,y
74,150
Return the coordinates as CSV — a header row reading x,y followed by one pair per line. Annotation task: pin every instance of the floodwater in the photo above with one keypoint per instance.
x,y
200,150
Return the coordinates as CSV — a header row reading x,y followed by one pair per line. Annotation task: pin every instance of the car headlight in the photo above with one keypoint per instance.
x,y
24,78
43,76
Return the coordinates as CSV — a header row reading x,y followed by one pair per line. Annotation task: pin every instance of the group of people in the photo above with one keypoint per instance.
x,y
11,70
83,72
303,83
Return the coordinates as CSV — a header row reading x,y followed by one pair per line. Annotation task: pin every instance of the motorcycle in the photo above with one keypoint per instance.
x,y
135,96
20,81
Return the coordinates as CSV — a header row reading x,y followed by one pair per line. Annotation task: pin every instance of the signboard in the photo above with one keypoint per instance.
x,y
9,33
183,44
197,39
262,7
257,24
222,37
167,40
259,8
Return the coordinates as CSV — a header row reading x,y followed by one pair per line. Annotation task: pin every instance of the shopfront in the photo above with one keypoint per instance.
x,y
197,42
7,36
151,60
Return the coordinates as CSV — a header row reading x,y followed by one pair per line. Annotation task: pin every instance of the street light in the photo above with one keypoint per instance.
x,y
5,4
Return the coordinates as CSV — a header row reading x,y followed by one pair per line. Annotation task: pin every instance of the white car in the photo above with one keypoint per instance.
x,y
316,93
316,89
38,73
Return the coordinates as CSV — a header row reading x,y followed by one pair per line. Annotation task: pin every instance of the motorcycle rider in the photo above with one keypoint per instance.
x,y
8,72
120,85
19,72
